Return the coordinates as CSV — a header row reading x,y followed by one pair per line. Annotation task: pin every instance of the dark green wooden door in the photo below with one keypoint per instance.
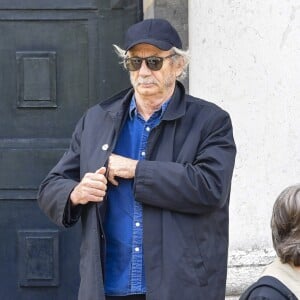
x,y
56,60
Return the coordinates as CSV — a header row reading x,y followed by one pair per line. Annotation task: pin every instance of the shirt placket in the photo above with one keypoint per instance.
x,y
137,239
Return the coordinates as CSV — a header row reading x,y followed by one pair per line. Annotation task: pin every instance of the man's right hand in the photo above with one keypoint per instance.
x,y
92,188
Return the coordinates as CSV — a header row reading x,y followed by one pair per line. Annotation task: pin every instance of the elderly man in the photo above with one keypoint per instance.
x,y
148,173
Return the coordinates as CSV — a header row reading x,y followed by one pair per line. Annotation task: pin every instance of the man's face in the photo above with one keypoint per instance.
x,y
149,83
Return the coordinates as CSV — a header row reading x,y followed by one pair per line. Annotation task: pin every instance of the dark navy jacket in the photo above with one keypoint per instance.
x,y
184,186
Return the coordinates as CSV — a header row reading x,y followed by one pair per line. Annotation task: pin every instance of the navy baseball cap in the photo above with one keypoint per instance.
x,y
157,32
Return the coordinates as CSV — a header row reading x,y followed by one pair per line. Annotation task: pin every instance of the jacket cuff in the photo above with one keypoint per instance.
x,y
71,214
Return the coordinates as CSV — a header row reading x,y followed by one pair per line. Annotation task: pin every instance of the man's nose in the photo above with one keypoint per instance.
x,y
144,68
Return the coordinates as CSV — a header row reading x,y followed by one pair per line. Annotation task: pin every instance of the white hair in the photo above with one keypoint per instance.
x,y
181,54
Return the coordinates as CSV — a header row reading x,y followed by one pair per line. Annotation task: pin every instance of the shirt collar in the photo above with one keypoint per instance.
x,y
133,110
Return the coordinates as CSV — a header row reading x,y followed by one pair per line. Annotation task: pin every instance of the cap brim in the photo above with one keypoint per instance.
x,y
159,44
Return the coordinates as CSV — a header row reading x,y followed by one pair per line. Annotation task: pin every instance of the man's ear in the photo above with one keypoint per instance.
x,y
179,65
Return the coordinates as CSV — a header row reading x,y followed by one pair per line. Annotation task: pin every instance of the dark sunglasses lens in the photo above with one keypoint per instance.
x,y
133,63
154,63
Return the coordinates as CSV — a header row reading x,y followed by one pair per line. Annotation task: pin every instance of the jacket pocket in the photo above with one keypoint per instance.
x,y
190,265
193,270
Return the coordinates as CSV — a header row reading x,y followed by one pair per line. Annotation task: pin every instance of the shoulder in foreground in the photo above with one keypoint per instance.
x,y
268,288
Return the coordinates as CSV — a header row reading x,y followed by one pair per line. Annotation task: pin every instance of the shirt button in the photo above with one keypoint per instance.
x,y
137,224
136,249
148,128
143,153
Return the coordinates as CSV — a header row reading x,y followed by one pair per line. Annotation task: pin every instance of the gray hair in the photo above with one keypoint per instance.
x,y
285,225
181,54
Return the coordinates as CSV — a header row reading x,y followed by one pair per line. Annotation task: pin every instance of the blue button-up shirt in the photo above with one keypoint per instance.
x,y
124,266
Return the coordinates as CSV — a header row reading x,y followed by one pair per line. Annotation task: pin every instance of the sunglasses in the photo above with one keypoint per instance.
x,y
154,63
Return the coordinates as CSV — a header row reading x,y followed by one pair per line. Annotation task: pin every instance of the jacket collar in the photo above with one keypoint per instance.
x,y
177,106
118,104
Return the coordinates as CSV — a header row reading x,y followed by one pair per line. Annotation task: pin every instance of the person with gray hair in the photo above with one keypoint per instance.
x,y
281,279
148,173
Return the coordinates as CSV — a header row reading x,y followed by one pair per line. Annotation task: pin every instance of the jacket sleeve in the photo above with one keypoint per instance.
x,y
197,186
55,189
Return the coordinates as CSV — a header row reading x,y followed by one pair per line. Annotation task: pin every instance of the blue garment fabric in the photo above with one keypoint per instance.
x,y
124,263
